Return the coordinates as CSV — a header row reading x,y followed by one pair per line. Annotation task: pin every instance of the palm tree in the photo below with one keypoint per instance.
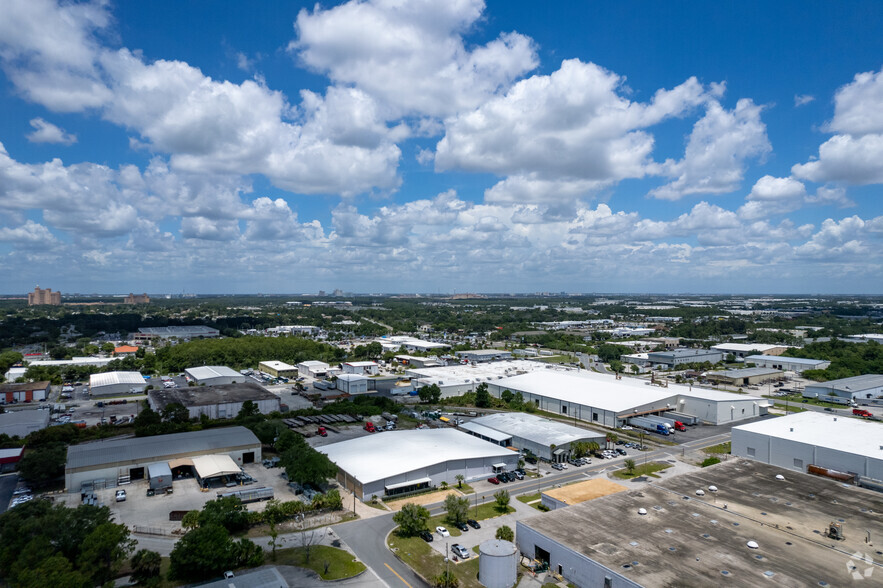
x,y
630,466
460,478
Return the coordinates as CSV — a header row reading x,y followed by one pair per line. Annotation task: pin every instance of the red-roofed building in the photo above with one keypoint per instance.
x,y
124,350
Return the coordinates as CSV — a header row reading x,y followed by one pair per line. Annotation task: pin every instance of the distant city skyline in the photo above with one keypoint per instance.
x,y
441,147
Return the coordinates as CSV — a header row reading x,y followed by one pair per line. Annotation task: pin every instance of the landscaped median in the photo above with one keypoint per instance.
x,y
646,469
330,563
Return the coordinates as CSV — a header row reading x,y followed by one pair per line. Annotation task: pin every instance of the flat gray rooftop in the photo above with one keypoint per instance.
x,y
207,395
139,449
687,540
745,372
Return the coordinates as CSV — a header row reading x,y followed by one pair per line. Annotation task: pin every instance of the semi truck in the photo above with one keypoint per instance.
x,y
862,412
687,419
250,495
674,424
648,425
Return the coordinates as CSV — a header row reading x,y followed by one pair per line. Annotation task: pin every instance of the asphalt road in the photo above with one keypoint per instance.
x,y
367,539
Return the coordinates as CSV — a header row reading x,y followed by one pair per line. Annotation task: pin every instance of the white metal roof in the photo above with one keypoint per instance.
x,y
853,384
209,466
485,372
352,377
741,347
480,429
839,433
361,363
535,428
785,359
314,364
212,371
111,378
392,453
278,365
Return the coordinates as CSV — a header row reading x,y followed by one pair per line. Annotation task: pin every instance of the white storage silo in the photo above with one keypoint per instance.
x,y
497,563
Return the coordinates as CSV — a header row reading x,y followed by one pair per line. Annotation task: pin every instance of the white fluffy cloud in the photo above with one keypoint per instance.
x,y
855,154
411,56
714,160
46,132
571,127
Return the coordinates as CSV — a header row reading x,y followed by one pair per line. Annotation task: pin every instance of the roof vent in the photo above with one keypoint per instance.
x,y
752,545
642,511
780,477
712,488
700,492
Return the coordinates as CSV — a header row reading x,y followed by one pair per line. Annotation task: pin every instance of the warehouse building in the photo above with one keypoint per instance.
x,y
396,342
483,355
675,357
745,376
361,368
402,462
608,401
746,349
184,333
352,384
788,364
457,380
419,362
313,369
214,375
20,423
855,388
216,402
26,392
747,528
101,464
802,439
19,372
547,439
117,383
278,369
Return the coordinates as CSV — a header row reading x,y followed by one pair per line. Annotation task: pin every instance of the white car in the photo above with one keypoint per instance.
x,y
121,495
442,531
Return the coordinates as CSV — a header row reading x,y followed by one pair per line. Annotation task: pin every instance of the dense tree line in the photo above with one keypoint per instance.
x,y
847,359
244,352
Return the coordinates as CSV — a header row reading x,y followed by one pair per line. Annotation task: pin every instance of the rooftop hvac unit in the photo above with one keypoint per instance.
x,y
835,531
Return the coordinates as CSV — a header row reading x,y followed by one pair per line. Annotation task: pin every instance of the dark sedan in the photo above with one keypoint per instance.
x,y
473,523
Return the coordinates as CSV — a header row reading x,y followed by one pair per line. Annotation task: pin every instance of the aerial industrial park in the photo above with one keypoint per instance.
x,y
571,462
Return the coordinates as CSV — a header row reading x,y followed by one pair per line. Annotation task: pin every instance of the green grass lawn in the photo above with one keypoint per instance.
x,y
647,469
721,448
429,563
482,513
789,407
341,564
527,498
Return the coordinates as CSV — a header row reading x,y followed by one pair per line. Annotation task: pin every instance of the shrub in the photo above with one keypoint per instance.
x,y
709,461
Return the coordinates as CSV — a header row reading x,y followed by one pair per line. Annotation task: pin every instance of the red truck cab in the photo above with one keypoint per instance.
x,y
861,412
369,426
322,432
680,426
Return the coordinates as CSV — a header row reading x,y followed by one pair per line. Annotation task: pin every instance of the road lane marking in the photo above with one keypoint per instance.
x,y
397,575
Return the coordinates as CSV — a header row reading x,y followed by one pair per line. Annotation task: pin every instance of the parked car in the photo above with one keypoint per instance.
x,y
503,477
443,532
621,451
473,523
461,526
121,495
493,481
557,466
426,536
459,551
518,474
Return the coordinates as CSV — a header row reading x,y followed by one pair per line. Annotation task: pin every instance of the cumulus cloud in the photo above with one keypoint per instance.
x,y
571,127
715,158
411,56
29,234
854,155
46,132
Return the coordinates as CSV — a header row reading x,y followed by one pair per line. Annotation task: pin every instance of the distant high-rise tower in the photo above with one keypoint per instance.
x,y
46,296
137,299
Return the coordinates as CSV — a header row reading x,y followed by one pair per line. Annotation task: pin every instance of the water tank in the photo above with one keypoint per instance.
x,y
497,564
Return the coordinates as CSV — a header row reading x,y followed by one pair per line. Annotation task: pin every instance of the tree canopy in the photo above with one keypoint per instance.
x,y
411,519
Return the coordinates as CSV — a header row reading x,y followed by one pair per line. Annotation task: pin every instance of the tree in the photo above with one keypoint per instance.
x,y
482,396
145,567
208,550
424,393
505,533
42,465
104,550
502,499
456,507
579,448
460,478
446,579
249,410
228,512
629,465
411,519
190,519
175,412
307,466
507,396
108,347
435,393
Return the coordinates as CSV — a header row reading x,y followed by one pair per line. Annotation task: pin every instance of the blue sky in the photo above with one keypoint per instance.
x,y
391,146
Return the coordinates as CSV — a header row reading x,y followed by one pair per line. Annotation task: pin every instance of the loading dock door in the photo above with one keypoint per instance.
x,y
136,473
248,457
541,554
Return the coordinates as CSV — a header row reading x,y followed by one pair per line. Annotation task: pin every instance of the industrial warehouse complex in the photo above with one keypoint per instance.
x,y
213,375
103,463
804,439
856,388
544,438
399,462
116,383
608,401
737,523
